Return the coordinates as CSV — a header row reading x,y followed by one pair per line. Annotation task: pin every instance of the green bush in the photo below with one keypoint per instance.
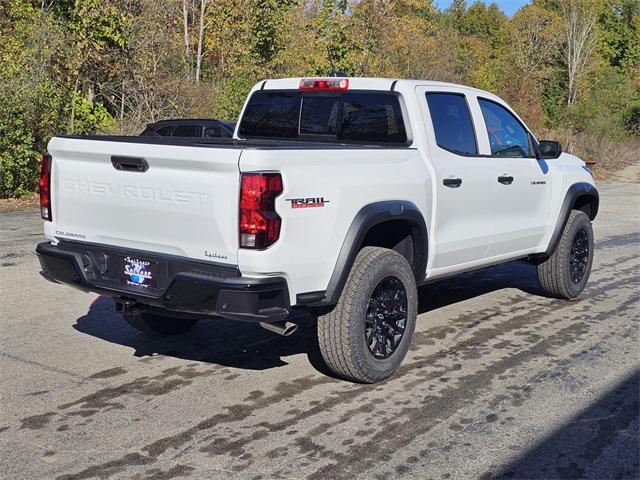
x,y
89,116
606,106
18,165
632,120
29,117
19,159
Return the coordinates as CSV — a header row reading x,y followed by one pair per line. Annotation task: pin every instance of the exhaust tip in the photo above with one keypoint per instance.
x,y
281,328
290,329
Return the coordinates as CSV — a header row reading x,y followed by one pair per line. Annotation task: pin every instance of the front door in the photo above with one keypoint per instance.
x,y
521,184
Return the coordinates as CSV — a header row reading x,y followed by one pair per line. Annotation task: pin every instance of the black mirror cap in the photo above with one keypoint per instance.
x,y
550,149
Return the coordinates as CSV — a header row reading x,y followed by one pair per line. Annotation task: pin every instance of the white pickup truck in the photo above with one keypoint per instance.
x,y
336,195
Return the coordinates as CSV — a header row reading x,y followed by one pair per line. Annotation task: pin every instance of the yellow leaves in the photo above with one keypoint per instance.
x,y
408,51
535,34
473,54
398,39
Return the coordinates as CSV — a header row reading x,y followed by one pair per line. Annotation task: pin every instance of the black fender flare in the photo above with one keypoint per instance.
x,y
368,217
572,196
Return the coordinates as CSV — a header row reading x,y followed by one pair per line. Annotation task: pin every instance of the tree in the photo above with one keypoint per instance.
x,y
155,81
486,22
534,35
203,7
579,22
619,32
402,39
76,65
267,23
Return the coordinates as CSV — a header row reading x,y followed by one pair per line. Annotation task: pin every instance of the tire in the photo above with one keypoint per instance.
x,y
154,323
566,272
342,332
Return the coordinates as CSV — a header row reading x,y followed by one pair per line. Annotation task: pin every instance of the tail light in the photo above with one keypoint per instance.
x,y
259,222
324,84
45,187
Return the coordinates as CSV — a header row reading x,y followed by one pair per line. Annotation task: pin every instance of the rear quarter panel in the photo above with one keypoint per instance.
x,y
347,179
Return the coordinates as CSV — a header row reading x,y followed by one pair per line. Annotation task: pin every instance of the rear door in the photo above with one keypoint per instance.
x,y
463,197
521,184
178,200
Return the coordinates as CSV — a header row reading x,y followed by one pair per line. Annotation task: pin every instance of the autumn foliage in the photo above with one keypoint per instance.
x,y
570,67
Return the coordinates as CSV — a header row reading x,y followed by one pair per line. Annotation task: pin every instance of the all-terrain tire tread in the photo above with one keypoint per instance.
x,y
334,327
553,275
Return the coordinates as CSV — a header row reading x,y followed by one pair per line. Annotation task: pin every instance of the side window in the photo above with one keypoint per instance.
x,y
187,131
164,131
213,131
452,123
507,136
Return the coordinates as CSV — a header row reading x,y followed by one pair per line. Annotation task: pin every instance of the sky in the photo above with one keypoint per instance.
x,y
507,6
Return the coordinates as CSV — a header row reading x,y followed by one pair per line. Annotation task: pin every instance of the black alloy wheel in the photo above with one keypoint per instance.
x,y
564,274
579,257
367,334
386,317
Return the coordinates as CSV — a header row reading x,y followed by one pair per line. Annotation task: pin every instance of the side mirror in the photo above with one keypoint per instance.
x,y
550,149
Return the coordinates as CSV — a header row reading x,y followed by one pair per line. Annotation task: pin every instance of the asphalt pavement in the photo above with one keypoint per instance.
x,y
500,382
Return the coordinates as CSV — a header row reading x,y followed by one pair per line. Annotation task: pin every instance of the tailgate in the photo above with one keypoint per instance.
x,y
184,203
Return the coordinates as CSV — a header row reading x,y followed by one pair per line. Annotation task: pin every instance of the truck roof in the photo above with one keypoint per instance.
x,y
367,83
185,121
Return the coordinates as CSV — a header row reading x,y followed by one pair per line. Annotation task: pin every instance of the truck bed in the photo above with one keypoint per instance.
x,y
233,143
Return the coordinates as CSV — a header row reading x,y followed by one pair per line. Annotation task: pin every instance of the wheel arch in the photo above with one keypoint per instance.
x,y
580,196
362,232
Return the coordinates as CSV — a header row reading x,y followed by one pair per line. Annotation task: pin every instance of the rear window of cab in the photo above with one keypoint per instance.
x,y
342,117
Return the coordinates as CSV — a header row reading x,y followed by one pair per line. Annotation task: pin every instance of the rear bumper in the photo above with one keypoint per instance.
x,y
184,285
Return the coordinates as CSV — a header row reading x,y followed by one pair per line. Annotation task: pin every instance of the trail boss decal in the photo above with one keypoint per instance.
x,y
310,202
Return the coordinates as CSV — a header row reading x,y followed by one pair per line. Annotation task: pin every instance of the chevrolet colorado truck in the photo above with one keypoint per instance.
x,y
337,196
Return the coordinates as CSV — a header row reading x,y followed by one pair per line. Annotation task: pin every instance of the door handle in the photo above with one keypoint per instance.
x,y
505,180
452,182
129,164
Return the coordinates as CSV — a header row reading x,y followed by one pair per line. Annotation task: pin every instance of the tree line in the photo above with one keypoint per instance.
x,y
571,68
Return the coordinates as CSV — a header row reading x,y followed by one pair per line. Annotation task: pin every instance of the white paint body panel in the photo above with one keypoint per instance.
x,y
187,202
311,238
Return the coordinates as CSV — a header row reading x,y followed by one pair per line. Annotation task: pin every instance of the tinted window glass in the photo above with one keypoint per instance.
x,y
319,115
272,114
507,136
372,117
343,117
213,131
164,130
452,123
230,126
187,131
